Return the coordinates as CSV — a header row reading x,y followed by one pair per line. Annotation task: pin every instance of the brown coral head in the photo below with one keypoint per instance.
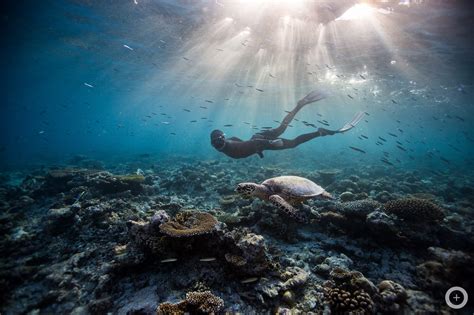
x,y
415,210
186,224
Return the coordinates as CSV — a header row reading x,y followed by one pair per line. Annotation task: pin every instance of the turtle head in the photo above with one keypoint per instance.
x,y
246,190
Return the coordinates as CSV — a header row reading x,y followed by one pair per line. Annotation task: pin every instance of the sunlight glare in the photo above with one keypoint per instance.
x,y
357,12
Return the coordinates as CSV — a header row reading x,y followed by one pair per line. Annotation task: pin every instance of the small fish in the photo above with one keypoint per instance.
x,y
209,101
360,75
323,123
88,85
165,122
203,107
220,49
383,139
186,110
392,134
365,137
172,133
187,59
460,118
41,132
401,148
399,143
378,143
357,149
207,259
238,85
319,115
246,122
193,121
228,125
394,102
444,160
250,86
260,90
266,127
168,260
386,161
249,280
367,113
271,76
348,95
401,130
128,47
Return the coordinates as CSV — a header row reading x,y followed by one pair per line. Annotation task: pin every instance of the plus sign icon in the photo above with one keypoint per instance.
x,y
456,298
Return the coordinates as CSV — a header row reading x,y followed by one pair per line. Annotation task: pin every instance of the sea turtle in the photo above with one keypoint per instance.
x,y
284,192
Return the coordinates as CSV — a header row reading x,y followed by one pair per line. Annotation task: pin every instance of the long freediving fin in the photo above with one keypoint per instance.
x,y
313,96
355,120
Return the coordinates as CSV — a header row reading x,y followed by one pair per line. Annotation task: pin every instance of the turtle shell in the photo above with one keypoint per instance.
x,y
294,186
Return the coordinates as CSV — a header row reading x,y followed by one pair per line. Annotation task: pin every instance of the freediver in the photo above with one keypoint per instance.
x,y
269,139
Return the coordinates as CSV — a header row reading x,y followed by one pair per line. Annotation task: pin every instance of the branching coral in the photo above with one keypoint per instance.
x,y
205,302
187,224
342,301
172,309
195,303
415,210
358,208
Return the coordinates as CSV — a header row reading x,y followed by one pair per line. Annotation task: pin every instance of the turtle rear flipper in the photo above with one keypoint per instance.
x,y
283,205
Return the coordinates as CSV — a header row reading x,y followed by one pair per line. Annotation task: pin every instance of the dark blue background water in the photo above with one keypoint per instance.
x,y
52,48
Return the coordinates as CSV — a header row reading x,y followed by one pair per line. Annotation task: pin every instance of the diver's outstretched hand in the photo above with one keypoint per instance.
x,y
313,96
357,118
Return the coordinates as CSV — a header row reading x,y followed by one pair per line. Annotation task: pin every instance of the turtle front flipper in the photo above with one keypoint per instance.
x,y
283,205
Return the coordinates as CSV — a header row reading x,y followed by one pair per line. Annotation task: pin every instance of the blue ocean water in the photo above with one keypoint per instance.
x,y
149,62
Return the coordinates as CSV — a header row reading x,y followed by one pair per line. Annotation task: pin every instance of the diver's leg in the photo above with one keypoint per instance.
x,y
282,144
274,133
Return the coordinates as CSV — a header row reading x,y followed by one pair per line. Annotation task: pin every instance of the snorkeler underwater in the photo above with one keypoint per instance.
x,y
237,157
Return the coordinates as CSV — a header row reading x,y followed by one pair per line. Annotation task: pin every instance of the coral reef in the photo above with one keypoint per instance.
x,y
80,239
195,303
189,223
415,210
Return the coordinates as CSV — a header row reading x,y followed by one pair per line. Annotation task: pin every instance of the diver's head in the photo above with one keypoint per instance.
x,y
246,190
218,139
